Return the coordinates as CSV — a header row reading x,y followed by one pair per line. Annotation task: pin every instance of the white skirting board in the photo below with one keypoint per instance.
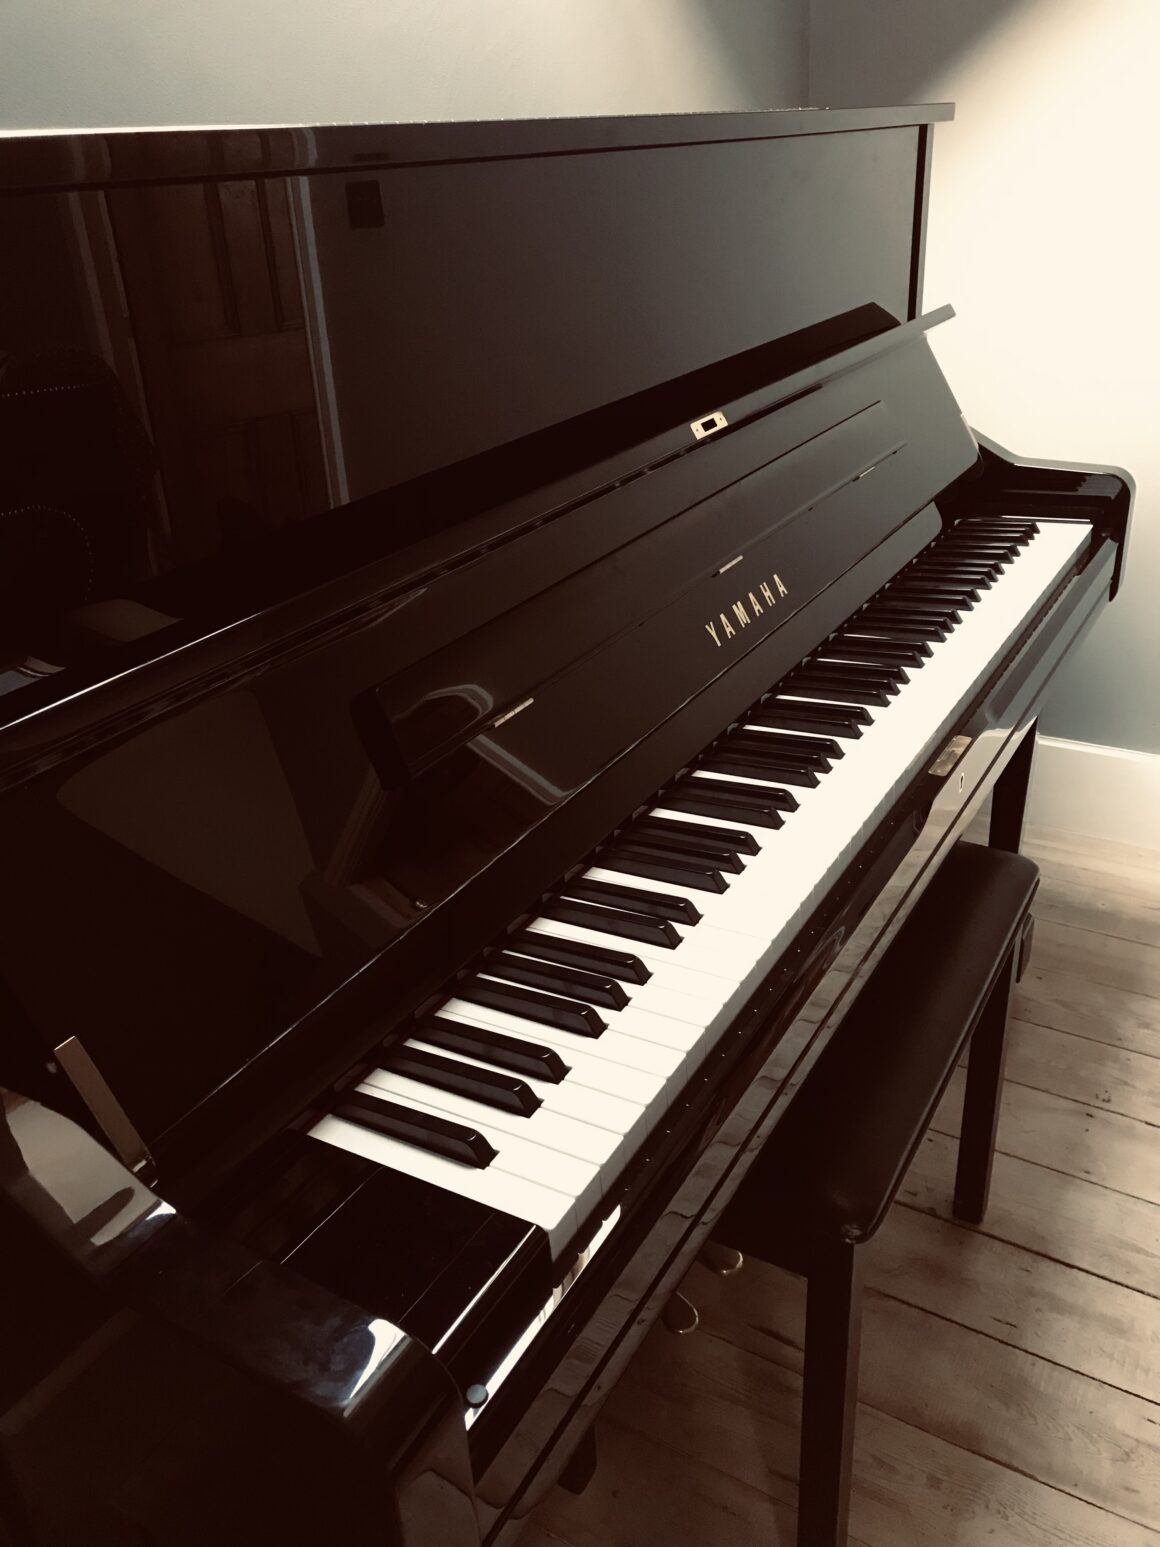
x,y
1102,792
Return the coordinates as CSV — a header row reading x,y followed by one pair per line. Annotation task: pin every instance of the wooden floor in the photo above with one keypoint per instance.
x,y
1010,1374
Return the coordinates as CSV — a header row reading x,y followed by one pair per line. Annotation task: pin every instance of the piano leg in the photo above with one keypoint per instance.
x,y
830,1393
1009,797
983,1095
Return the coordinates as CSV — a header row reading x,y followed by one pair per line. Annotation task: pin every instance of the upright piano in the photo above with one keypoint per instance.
x,y
500,624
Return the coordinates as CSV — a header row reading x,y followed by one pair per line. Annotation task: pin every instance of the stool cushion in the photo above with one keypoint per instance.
x,y
831,1169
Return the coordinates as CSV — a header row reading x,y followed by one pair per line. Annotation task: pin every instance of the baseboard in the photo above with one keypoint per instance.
x,y
1102,792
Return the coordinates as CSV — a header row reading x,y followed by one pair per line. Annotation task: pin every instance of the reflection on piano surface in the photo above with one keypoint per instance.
x,y
480,610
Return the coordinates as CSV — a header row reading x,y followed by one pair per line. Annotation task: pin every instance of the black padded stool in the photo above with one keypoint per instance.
x,y
824,1182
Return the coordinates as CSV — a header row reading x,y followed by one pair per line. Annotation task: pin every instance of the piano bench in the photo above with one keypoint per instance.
x,y
829,1173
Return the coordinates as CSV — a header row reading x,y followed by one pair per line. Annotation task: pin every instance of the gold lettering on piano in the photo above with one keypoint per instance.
x,y
746,610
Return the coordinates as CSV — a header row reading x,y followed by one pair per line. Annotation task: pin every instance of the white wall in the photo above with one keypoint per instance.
x,y
106,63
1045,235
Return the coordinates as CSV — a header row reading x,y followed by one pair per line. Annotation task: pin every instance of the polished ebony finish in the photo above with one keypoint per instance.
x,y
393,513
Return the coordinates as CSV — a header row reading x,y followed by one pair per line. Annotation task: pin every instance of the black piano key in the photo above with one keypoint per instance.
x,y
736,745
455,1141
979,575
941,587
966,541
878,673
591,987
704,797
698,873
935,592
888,651
505,1092
756,795
824,747
658,905
911,634
896,624
958,563
841,690
548,1009
578,953
789,714
493,1047
993,553
1015,531
611,921
888,678
696,834
922,612
800,773
726,860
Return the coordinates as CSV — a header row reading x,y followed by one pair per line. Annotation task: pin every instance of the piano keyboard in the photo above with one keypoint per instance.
x,y
530,1089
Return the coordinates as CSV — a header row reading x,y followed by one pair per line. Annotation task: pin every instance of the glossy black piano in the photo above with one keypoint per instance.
x,y
500,625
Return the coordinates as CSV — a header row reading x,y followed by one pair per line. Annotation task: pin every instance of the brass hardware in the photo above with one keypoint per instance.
x,y
94,1091
708,425
680,1316
724,1260
949,756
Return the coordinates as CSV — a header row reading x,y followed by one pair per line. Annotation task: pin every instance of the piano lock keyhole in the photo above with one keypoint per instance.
x,y
962,782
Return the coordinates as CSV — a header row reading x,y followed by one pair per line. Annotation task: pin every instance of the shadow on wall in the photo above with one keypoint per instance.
x,y
901,58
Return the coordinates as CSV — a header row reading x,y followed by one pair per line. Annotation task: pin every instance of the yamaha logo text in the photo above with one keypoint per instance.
x,y
727,625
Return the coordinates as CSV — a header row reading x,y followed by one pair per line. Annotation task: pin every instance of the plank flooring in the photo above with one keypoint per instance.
x,y
1010,1380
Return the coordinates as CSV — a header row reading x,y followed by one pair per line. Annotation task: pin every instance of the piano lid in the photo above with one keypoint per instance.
x,y
221,393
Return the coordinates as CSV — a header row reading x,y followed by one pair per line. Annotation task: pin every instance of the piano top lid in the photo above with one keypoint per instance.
x,y
37,160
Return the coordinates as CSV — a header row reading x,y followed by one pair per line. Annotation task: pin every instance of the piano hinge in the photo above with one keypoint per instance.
x,y
93,1089
709,425
949,756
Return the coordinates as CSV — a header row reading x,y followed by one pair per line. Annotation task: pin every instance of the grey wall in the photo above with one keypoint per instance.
x,y
1045,235
105,63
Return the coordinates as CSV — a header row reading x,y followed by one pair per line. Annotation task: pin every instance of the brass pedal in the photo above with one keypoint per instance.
x,y
721,1259
680,1316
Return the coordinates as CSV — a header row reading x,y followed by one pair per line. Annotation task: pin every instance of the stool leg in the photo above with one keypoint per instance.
x,y
982,1098
1009,797
829,1394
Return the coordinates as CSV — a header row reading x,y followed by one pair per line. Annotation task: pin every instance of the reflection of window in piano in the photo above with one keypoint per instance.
x,y
162,408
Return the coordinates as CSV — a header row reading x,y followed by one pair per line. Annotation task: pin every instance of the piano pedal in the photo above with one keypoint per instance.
x,y
721,1259
680,1316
